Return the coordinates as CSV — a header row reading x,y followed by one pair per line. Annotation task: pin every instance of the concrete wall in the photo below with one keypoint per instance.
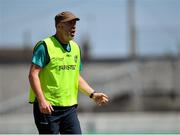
x,y
111,78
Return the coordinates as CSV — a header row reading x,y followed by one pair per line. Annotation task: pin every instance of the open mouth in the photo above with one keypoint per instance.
x,y
72,33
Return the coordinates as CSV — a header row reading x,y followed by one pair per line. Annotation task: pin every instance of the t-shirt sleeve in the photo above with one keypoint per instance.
x,y
39,55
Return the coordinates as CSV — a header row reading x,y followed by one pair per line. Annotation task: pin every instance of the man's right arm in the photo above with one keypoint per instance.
x,y
36,67
35,82
44,106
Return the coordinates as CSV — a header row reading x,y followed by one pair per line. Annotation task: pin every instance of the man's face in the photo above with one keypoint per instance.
x,y
68,29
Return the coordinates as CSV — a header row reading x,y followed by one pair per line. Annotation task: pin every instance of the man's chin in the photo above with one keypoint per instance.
x,y
71,37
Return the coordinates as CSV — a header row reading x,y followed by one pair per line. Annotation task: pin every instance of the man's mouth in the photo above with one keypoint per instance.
x,y
72,33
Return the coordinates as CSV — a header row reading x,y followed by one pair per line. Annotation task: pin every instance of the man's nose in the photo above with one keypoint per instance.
x,y
74,27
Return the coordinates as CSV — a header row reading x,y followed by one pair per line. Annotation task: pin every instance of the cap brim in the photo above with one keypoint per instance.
x,y
70,19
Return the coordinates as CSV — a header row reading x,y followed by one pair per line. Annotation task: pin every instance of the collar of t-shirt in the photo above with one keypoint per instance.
x,y
66,47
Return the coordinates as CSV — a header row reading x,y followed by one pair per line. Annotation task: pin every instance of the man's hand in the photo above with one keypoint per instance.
x,y
100,98
45,107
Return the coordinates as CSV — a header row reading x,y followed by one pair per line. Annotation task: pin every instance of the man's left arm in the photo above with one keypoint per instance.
x,y
98,97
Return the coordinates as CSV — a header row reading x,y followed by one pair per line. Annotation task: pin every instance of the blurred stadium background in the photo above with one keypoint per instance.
x,y
143,86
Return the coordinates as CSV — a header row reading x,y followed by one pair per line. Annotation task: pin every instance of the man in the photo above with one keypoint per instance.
x,y
55,79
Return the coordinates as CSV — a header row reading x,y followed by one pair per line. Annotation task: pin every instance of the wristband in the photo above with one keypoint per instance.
x,y
92,94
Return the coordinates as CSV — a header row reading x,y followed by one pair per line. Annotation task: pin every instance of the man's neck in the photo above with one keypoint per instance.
x,y
61,39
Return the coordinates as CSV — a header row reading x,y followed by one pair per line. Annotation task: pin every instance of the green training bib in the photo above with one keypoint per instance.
x,y
59,78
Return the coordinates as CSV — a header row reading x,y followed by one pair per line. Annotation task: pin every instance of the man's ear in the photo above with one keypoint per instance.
x,y
58,26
